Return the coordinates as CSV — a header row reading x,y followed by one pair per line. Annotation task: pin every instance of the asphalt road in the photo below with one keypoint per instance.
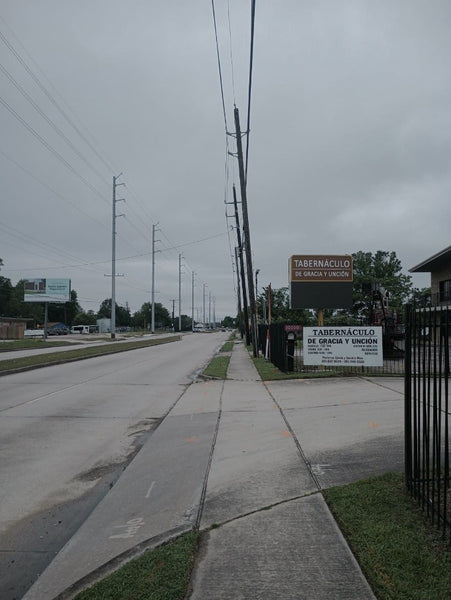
x,y
66,434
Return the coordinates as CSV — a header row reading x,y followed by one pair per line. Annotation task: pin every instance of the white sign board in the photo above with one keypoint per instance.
x,y
357,346
47,290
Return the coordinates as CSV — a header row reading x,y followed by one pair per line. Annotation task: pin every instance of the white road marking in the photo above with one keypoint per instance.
x,y
149,491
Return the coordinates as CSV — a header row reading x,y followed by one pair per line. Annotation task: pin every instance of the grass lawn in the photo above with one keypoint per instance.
x,y
53,358
217,367
161,574
227,347
402,555
31,344
269,372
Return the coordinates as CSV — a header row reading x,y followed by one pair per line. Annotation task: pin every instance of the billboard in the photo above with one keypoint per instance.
x,y
321,281
47,290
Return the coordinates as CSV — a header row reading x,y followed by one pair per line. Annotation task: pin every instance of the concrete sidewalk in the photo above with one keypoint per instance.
x,y
274,534
254,473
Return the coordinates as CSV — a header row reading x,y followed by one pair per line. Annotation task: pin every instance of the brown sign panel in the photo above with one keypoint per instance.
x,y
317,268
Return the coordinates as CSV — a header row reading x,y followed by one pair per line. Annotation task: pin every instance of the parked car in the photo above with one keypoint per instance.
x,y
58,330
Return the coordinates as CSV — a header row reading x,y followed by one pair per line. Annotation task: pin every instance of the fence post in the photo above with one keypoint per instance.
x,y
408,398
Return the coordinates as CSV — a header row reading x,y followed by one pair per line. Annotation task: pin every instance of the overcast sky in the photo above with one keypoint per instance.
x,y
349,147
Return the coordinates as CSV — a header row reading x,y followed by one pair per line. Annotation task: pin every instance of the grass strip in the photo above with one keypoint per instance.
x,y
269,372
217,367
227,347
160,574
402,556
31,345
53,358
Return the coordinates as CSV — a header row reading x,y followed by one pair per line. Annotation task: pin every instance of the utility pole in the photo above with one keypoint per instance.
x,y
173,321
243,276
180,292
192,301
203,303
247,238
240,316
152,308
113,257
209,310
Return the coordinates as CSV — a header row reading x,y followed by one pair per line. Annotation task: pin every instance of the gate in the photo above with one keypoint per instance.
x,y
427,411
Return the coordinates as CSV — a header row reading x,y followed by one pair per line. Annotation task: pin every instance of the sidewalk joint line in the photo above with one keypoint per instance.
x,y
262,509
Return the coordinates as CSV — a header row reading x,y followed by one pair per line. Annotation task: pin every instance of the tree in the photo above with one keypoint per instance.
x,y
421,296
6,292
85,318
280,307
228,322
123,316
66,311
142,318
379,270
19,308
187,323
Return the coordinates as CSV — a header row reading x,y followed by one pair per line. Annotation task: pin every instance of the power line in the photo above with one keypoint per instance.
x,y
50,148
48,187
231,52
62,135
219,65
51,98
251,61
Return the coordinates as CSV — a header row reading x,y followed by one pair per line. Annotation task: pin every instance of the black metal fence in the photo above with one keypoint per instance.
x,y
281,343
427,414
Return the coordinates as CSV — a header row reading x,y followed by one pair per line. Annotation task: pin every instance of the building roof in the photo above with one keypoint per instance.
x,y
15,319
434,263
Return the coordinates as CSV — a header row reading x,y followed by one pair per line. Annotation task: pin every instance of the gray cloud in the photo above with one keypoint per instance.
x,y
349,143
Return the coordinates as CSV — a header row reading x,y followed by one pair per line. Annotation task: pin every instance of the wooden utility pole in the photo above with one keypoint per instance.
x,y
240,310
247,238
241,267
